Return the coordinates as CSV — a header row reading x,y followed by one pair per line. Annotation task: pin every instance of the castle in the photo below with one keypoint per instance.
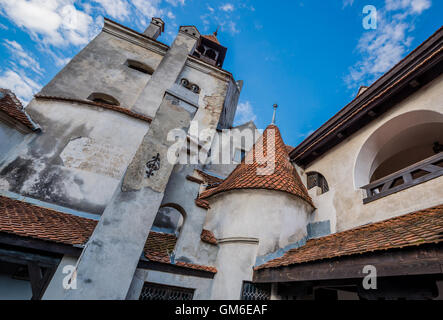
x,y
93,207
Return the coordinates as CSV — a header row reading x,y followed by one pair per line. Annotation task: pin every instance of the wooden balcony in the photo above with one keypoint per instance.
x,y
413,175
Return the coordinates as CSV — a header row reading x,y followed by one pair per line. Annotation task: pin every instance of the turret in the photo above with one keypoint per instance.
x,y
260,210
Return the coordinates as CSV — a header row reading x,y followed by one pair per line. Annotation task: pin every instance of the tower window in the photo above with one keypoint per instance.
x,y
316,179
190,86
139,66
104,98
211,54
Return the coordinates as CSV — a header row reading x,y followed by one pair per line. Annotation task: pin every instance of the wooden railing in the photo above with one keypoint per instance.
x,y
415,174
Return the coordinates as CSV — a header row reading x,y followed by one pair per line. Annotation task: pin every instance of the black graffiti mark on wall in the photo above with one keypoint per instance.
x,y
153,165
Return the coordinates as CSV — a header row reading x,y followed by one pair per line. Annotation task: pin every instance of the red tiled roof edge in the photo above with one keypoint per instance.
x,y
10,105
101,105
31,221
28,220
202,204
159,246
208,237
412,229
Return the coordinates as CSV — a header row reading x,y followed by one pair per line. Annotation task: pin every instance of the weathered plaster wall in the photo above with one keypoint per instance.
x,y
276,218
100,67
202,286
78,159
235,263
180,191
344,201
9,138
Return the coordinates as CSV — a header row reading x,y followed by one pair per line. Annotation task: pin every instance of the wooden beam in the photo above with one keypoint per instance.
x,y
23,258
40,245
420,260
171,268
39,279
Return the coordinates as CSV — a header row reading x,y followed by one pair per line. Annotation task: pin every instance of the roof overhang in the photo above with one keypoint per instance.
x,y
418,260
417,69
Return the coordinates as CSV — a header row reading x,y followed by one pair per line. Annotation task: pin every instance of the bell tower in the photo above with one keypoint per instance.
x,y
210,50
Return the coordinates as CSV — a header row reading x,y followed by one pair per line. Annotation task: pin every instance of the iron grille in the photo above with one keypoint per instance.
x,y
153,291
255,291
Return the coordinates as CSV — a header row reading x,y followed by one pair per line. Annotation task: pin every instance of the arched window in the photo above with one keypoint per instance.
x,y
316,179
401,153
211,54
169,219
139,66
104,98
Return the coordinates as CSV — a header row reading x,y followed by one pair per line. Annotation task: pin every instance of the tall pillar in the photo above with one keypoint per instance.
x,y
107,264
167,71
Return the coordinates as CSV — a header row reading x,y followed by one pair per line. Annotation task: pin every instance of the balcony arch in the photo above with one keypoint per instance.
x,y
400,143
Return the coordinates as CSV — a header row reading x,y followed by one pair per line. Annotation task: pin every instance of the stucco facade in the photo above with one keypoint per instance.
x,y
344,167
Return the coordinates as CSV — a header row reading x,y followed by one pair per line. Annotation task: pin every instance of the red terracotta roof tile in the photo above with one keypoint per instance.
x,y
284,177
10,105
28,220
208,237
413,229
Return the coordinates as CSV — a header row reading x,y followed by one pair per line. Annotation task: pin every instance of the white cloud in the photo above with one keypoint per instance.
x,y
149,8
21,85
22,57
2,26
54,22
382,48
228,7
118,9
245,113
412,6
170,15
347,3
175,3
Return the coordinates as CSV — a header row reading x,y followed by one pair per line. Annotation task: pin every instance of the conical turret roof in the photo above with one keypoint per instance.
x,y
254,173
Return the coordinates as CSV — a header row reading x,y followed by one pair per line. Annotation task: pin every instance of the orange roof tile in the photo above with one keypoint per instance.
x,y
413,229
284,177
28,220
10,105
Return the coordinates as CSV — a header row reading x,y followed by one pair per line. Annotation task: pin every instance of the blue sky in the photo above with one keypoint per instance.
x,y
310,57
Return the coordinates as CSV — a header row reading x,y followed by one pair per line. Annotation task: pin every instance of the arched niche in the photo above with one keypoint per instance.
x,y
400,142
170,218
104,98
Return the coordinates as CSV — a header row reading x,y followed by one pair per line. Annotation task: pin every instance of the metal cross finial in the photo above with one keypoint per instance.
x,y
275,106
216,31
